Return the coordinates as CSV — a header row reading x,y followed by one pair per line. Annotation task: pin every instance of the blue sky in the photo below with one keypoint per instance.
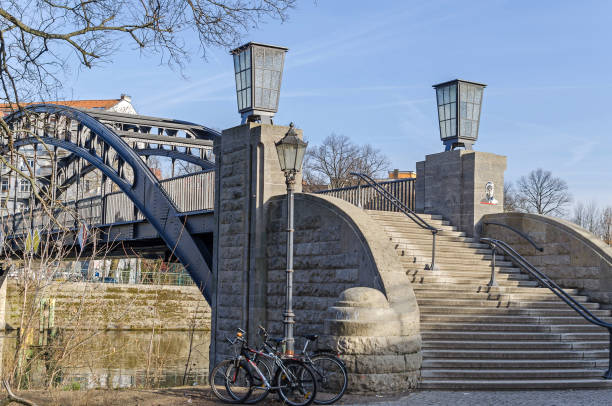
x,y
364,69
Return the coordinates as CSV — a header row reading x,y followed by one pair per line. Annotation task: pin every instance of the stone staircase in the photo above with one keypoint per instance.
x,y
513,336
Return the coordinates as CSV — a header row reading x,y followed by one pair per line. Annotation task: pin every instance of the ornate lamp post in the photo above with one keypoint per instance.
x,y
459,103
259,72
290,152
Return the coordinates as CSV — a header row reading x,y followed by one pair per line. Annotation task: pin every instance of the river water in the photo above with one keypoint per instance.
x,y
124,359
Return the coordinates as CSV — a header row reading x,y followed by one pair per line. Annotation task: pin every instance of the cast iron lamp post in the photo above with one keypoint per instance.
x,y
290,152
459,103
259,72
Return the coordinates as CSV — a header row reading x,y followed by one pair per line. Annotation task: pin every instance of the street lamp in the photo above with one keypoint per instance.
x,y
290,150
258,71
459,104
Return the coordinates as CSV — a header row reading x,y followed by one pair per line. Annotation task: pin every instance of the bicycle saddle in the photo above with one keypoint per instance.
x,y
311,337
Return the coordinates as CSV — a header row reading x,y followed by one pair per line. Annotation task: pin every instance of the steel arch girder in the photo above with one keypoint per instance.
x,y
204,164
160,212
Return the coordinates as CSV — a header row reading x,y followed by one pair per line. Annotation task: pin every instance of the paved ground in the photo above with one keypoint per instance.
x,y
201,396
501,398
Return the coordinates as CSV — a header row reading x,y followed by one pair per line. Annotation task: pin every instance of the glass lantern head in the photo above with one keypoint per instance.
x,y
290,150
459,104
258,70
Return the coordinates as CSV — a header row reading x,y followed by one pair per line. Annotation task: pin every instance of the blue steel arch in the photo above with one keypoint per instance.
x,y
160,212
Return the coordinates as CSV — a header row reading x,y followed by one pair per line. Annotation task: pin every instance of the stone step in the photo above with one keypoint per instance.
x,y
397,215
470,281
471,271
501,304
455,318
505,374
509,345
443,235
513,335
601,363
486,289
494,296
507,311
425,245
522,327
458,259
465,384
394,226
514,354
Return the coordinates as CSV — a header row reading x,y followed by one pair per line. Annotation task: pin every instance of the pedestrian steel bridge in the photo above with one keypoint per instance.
x,y
130,207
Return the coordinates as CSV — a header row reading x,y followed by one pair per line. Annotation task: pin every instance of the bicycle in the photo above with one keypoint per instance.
x,y
229,380
294,381
330,371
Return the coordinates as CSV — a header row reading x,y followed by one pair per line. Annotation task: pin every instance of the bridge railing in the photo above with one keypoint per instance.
x,y
366,197
189,193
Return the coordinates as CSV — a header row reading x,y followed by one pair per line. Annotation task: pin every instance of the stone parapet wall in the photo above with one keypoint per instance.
x,y
116,307
340,249
572,257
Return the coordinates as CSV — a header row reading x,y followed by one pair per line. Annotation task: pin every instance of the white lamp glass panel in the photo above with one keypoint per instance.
x,y
441,113
267,77
278,60
236,63
247,59
474,129
248,78
447,112
448,128
281,156
258,77
242,61
243,79
470,94
300,157
269,59
275,80
238,82
248,97
446,95
462,92
470,110
477,95
259,57
440,94
273,99
265,100
453,110
442,130
453,93
476,111
453,127
258,95
463,110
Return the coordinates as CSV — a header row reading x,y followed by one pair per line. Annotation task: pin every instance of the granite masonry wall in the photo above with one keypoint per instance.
x,y
572,256
349,287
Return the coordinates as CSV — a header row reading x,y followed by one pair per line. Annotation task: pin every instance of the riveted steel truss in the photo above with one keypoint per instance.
x,y
114,144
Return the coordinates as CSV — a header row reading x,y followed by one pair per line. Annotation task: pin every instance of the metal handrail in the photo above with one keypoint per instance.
x,y
404,209
545,281
525,236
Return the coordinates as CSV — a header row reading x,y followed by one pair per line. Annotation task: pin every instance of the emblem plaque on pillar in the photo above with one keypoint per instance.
x,y
489,197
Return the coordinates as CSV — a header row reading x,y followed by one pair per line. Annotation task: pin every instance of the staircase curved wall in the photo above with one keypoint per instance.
x,y
339,247
572,256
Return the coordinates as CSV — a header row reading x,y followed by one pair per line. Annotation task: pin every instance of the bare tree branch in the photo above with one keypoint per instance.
x,y
542,193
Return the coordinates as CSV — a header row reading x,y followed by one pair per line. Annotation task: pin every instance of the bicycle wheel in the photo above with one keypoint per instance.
x,y
331,377
260,392
296,383
230,384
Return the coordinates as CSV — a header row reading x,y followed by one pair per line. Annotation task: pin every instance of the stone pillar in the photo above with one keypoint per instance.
x,y
247,175
453,184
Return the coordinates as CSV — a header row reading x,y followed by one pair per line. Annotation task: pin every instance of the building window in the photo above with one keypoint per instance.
x,y
4,185
24,185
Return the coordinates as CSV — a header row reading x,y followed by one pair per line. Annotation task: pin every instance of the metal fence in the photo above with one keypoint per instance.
x,y
191,192
366,197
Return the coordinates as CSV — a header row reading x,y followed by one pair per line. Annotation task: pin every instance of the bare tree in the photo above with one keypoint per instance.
x,y
332,162
41,40
587,216
542,193
510,199
606,225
